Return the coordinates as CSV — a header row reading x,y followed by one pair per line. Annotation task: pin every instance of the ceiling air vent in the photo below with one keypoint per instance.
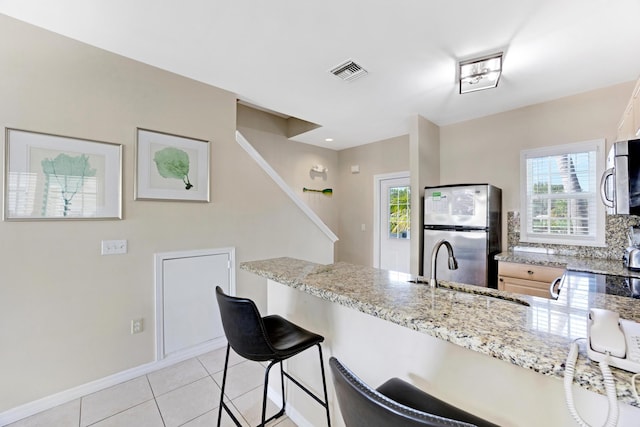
x,y
349,71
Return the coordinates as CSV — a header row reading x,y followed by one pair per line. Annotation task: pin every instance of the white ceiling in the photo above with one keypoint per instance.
x,y
277,54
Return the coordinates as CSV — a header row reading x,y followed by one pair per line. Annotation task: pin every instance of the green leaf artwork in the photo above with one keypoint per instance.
x,y
173,163
70,173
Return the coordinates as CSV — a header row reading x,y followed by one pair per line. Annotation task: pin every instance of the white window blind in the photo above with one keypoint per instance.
x,y
560,189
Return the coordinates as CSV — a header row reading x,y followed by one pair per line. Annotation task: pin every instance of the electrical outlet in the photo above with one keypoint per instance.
x,y
136,326
113,247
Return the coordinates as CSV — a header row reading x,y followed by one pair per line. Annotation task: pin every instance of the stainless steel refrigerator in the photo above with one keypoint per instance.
x,y
469,217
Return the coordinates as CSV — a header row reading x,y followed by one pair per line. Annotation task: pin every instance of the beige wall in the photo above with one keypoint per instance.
x,y
481,150
65,310
293,161
488,149
355,196
352,202
425,170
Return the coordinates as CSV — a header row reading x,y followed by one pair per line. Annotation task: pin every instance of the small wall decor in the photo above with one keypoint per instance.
x,y
319,169
326,191
171,167
58,177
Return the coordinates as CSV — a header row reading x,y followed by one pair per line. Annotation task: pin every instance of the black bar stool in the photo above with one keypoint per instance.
x,y
270,338
394,403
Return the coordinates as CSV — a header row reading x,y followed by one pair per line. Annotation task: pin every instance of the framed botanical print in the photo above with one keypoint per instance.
x,y
171,167
52,177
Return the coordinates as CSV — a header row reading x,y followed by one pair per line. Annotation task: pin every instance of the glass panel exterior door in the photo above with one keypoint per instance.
x,y
395,226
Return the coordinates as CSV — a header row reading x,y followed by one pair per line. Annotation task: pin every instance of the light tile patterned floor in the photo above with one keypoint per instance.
x,y
185,394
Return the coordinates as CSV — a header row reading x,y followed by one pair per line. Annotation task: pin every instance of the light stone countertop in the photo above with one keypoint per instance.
x,y
530,332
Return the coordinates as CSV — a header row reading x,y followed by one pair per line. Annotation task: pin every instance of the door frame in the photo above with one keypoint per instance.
x,y
377,182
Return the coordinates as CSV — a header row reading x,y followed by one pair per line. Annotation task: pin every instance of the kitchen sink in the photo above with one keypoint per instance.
x,y
475,290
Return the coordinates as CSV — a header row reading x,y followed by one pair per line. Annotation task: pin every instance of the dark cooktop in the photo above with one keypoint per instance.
x,y
624,286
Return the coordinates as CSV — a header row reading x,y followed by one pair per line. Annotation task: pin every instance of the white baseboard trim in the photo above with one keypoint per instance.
x,y
297,417
51,401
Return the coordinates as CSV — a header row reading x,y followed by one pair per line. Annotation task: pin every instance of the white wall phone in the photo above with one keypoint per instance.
x,y
618,337
612,341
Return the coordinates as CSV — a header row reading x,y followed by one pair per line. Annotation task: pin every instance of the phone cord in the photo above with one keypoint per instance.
x,y
609,384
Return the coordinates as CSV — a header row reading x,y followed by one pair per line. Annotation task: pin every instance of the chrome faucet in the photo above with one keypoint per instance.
x,y
453,264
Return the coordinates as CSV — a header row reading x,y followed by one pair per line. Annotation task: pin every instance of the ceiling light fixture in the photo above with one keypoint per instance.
x,y
480,73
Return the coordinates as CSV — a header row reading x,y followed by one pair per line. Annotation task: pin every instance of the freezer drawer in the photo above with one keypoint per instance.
x,y
469,248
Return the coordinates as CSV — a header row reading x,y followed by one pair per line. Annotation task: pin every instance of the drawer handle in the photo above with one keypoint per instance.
x,y
529,272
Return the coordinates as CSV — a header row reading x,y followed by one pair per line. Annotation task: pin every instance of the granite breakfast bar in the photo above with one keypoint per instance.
x,y
506,351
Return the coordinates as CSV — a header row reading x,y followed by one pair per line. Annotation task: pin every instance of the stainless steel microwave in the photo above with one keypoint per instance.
x,y
620,182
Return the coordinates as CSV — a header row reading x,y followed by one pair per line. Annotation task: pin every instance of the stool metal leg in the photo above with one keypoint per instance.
x,y
222,404
284,401
324,386
264,395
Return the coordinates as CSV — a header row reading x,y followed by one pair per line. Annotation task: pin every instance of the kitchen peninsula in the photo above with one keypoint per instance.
x,y
497,354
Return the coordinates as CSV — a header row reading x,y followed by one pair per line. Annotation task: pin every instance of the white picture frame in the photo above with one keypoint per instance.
x,y
53,177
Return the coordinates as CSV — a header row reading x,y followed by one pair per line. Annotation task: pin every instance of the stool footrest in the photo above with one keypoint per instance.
x,y
237,423
306,390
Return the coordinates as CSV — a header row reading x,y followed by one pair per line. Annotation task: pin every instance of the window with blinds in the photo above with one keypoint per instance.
x,y
560,189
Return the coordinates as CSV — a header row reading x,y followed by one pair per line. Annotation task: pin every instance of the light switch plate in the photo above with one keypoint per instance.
x,y
113,247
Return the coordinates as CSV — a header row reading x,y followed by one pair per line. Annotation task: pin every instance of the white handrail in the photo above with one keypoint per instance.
x,y
240,139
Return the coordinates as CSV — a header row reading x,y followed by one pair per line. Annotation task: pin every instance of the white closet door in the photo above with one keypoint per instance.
x,y
191,314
